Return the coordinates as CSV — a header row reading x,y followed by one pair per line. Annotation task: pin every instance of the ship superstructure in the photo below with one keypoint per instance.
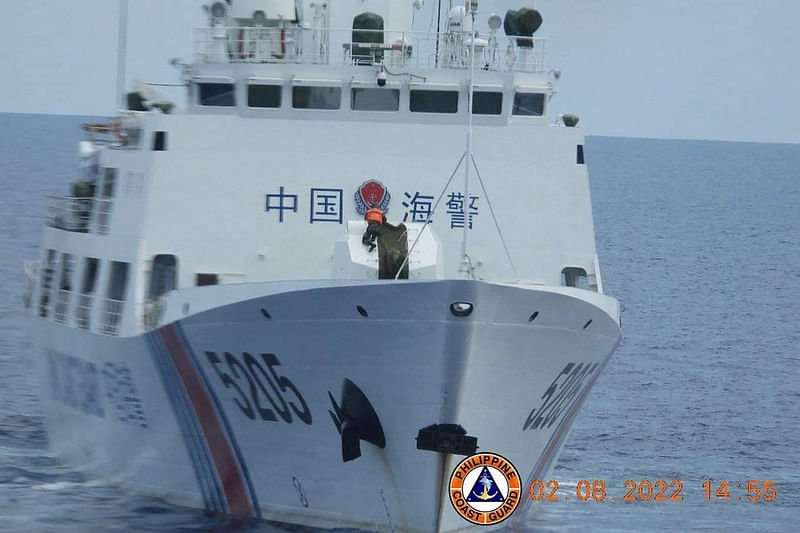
x,y
213,330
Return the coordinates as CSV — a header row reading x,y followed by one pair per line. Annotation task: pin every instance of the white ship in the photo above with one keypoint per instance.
x,y
211,329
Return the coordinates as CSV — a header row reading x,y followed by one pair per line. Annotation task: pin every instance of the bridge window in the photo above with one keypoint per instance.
x,y
368,99
574,277
264,95
309,97
427,101
217,94
487,103
529,104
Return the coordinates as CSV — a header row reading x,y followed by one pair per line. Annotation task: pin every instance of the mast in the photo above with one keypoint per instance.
x,y
122,52
472,5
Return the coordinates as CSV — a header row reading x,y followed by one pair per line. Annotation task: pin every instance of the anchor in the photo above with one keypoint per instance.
x,y
356,420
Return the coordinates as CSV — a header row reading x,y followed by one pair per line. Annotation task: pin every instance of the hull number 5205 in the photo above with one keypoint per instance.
x,y
260,393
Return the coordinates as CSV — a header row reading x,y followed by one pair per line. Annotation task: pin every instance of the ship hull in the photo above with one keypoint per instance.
x,y
238,409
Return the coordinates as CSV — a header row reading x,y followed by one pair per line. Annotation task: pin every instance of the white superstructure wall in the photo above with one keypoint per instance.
x,y
207,196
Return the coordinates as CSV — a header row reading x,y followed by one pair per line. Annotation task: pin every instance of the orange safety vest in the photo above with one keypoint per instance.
x,y
374,215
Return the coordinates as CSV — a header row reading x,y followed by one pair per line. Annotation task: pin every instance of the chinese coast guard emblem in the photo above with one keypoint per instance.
x,y
485,489
372,192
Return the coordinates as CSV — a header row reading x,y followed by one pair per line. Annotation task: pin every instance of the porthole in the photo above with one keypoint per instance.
x,y
533,316
461,308
587,324
362,311
265,313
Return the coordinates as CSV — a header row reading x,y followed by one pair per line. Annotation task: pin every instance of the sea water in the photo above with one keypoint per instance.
x,y
700,242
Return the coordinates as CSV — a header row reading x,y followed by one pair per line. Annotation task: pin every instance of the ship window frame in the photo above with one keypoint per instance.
x,y
498,90
118,280
200,82
159,141
162,277
108,187
317,84
90,275
390,89
276,83
520,92
204,279
571,277
47,275
434,88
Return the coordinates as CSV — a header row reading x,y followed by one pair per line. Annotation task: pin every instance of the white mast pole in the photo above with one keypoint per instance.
x,y
122,52
472,5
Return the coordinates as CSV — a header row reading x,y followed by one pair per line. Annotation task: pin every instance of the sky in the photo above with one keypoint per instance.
x,y
695,69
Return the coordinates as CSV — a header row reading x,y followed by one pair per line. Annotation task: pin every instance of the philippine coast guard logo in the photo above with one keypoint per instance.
x,y
372,192
485,488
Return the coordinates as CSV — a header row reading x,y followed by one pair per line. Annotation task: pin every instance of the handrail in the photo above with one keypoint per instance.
x,y
424,50
69,213
112,316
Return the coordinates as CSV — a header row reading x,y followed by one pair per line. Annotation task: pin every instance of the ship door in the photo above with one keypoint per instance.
x,y
163,276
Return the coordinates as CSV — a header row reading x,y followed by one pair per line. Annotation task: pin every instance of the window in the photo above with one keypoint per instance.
x,y
90,268
264,95
108,182
574,277
115,299
369,99
581,161
160,141
207,279
118,281
83,311
434,101
529,104
487,103
46,282
64,288
163,276
316,97
217,94
67,268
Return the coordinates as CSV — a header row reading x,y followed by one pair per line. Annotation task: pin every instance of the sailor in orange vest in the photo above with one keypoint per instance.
x,y
374,218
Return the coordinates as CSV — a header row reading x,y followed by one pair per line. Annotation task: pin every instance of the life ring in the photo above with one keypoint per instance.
x,y
283,46
242,53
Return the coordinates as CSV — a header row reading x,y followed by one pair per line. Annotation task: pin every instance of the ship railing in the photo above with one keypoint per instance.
x,y
69,213
422,50
102,216
152,313
112,316
83,311
62,305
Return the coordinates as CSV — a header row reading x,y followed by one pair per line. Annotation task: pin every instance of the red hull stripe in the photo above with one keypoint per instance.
x,y
224,459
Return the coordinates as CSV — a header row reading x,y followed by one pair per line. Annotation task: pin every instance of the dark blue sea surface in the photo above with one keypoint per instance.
x,y
700,241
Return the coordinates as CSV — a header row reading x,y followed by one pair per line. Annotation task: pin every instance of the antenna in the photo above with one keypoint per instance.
x,y
122,52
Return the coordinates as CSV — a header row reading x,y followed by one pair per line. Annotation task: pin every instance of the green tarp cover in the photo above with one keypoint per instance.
x,y
392,251
524,23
